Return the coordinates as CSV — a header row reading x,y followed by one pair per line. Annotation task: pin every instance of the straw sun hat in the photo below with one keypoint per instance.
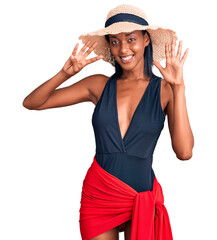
x,y
127,18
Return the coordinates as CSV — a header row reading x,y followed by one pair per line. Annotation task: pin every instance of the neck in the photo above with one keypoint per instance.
x,y
134,73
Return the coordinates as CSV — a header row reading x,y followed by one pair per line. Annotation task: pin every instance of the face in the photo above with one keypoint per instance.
x,y
128,48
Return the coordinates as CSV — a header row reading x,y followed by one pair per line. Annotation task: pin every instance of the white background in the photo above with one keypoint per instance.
x,y
45,154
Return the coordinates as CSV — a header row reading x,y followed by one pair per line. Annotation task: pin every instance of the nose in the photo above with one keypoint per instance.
x,y
124,47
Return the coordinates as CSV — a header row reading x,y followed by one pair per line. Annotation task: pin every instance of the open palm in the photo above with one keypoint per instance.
x,y
173,72
77,61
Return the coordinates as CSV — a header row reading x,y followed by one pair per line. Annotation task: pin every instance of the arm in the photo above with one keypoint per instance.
x,y
81,91
179,126
42,93
178,121
45,96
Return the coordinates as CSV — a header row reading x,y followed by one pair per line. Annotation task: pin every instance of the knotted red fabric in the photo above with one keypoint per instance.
x,y
107,202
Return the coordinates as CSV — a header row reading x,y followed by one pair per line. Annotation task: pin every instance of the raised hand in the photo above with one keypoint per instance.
x,y
173,72
77,61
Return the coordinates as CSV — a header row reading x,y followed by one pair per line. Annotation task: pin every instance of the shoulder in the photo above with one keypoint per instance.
x,y
167,93
166,87
96,84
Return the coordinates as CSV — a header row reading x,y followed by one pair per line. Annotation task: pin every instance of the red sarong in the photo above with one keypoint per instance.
x,y
107,202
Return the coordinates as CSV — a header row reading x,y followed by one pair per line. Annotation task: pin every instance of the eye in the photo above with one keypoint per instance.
x,y
131,39
114,42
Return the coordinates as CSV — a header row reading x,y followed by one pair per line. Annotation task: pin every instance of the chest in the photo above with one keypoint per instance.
x,y
129,97
128,110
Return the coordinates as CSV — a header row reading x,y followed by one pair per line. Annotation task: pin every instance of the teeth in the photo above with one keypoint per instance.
x,y
127,58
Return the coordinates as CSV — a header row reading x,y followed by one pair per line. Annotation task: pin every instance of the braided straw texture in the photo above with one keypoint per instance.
x,y
159,35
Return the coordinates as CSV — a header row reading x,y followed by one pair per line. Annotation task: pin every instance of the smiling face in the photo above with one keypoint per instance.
x,y
128,48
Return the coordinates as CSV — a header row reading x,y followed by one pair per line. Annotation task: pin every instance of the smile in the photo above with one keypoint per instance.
x,y
127,58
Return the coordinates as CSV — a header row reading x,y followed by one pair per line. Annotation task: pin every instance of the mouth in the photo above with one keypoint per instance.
x,y
127,59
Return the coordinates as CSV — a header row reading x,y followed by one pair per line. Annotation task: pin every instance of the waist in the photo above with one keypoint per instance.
x,y
136,172
107,202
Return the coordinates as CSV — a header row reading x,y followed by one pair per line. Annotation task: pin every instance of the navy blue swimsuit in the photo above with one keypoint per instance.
x,y
129,159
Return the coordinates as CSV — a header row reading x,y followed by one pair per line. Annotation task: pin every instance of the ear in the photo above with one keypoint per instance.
x,y
146,39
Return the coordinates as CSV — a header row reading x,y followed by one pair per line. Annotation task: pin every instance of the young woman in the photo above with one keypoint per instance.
x,y
120,191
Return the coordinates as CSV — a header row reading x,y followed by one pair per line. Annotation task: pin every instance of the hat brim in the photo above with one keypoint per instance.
x,y
159,36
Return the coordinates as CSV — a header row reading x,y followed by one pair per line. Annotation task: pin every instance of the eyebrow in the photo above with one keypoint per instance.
x,y
125,35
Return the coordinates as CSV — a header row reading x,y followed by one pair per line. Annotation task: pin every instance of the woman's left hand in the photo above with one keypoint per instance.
x,y
173,72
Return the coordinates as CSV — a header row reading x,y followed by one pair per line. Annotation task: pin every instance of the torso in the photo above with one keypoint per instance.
x,y
129,94
125,141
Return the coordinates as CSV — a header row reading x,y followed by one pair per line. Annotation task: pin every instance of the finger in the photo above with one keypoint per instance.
x,y
179,51
167,50
185,56
72,57
84,47
75,49
94,59
91,48
157,64
173,47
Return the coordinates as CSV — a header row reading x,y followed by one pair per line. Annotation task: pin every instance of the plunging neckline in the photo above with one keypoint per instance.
x,y
136,109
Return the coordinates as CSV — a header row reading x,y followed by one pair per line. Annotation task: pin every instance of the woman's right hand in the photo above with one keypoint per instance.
x,y
77,61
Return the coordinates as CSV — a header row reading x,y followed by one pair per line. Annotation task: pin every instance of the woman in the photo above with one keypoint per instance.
x,y
120,191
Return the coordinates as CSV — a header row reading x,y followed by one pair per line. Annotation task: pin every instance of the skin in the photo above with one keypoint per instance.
x,y
130,88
